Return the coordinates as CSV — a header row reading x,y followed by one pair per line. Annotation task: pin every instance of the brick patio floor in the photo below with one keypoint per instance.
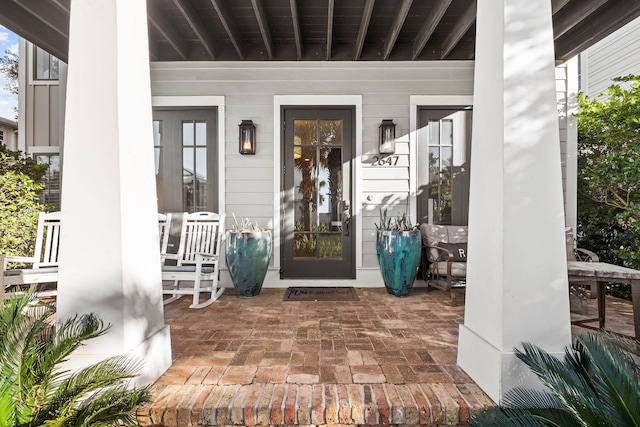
x,y
377,361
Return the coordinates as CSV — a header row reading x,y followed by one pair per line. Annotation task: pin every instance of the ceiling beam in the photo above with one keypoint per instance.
x,y
166,30
229,26
398,21
261,17
364,26
296,28
63,4
195,22
569,17
28,26
432,21
556,5
459,30
606,21
330,8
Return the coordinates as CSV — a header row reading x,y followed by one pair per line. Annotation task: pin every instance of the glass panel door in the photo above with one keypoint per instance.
x,y
185,151
444,139
317,231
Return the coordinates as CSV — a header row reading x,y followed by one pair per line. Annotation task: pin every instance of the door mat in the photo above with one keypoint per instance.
x,y
346,293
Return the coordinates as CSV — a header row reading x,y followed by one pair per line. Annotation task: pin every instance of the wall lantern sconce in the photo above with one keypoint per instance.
x,y
247,137
387,137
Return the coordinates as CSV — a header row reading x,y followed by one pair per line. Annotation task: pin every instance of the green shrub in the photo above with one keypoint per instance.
x,y
20,187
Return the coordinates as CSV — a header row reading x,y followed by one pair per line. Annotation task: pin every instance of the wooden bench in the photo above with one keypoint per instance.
x,y
43,263
602,273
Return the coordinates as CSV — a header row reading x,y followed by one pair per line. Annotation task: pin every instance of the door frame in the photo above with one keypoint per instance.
x,y
312,101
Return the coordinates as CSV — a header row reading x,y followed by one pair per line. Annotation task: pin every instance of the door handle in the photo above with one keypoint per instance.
x,y
346,217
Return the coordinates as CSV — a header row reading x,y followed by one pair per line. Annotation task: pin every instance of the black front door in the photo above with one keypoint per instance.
x,y
317,226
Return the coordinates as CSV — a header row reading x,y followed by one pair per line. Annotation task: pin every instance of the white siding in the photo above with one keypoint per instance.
x,y
616,55
249,89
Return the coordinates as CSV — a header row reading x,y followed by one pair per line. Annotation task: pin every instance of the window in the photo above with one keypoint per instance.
x,y
440,170
1,136
45,65
194,165
51,192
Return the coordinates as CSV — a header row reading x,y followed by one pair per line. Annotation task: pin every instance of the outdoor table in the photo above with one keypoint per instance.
x,y
603,273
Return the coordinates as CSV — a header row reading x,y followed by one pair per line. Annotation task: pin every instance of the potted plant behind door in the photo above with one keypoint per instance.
x,y
247,252
398,246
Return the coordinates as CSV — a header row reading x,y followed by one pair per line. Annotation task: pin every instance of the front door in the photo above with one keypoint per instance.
x,y
317,228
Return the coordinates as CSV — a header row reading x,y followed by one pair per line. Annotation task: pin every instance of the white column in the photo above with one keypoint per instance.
x,y
517,278
109,254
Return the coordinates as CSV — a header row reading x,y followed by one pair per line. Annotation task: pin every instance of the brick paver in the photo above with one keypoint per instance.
x,y
379,360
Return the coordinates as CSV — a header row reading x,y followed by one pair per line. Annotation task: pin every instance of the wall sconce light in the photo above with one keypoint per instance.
x,y
387,137
247,137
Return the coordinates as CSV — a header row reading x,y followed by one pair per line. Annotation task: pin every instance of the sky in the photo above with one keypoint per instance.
x,y
8,41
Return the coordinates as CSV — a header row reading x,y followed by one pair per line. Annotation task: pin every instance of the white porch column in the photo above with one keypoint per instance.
x,y
517,278
109,254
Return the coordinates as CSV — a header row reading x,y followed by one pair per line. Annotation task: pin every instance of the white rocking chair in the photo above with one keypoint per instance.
x,y
164,225
44,262
198,259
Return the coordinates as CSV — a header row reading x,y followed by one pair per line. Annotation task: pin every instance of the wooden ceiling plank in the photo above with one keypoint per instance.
x,y
296,27
261,17
330,9
166,29
195,22
436,14
229,26
398,21
25,24
364,26
48,14
462,26
583,36
569,17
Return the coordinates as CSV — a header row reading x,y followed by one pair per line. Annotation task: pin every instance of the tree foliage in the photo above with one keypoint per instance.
x,y
609,171
20,187
9,67
35,391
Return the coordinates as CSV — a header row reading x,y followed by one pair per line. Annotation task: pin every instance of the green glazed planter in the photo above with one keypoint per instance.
x,y
398,257
247,255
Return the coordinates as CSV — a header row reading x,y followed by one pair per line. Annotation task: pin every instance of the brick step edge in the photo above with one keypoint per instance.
x,y
313,404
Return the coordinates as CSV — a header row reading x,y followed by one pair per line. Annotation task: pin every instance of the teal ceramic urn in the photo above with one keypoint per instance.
x,y
248,255
398,255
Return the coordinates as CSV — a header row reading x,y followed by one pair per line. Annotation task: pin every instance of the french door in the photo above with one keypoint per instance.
x,y
185,149
317,226
444,138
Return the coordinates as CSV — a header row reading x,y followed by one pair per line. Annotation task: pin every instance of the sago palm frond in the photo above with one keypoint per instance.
x,y
615,375
36,392
596,384
92,380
